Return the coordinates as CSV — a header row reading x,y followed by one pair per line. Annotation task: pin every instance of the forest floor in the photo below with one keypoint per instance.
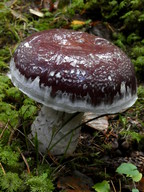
x,y
99,152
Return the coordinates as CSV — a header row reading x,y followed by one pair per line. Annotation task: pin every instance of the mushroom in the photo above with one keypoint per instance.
x,y
71,72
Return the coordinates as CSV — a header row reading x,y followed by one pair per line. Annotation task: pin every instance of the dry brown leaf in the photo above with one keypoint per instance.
x,y
141,185
75,183
100,124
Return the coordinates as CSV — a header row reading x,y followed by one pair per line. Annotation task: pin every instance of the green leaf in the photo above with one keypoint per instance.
x,y
137,177
102,187
129,170
135,190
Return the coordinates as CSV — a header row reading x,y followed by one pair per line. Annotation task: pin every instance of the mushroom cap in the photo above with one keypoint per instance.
x,y
74,71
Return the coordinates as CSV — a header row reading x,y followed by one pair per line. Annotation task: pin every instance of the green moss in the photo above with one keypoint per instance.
x,y
29,101
5,153
5,80
76,6
133,37
3,67
141,92
120,40
10,182
139,67
14,94
28,112
4,53
8,114
41,24
14,104
5,84
137,51
40,183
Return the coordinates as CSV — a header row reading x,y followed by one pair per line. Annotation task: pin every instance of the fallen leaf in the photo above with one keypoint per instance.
x,y
36,12
140,185
78,182
77,22
100,124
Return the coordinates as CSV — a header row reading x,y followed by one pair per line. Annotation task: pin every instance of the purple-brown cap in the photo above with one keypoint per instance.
x,y
74,71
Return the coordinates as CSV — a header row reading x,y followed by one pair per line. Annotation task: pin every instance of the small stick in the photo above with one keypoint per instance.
x,y
113,186
27,165
120,184
6,126
2,169
11,136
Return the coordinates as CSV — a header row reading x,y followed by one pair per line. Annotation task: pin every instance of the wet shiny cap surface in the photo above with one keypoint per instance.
x,y
74,71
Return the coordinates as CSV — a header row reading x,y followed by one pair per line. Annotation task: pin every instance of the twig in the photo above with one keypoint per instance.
x,y
53,158
113,186
11,136
2,169
120,185
27,165
99,148
105,171
6,126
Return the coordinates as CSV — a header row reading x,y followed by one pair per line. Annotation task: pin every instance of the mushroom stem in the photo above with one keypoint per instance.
x,y
56,130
